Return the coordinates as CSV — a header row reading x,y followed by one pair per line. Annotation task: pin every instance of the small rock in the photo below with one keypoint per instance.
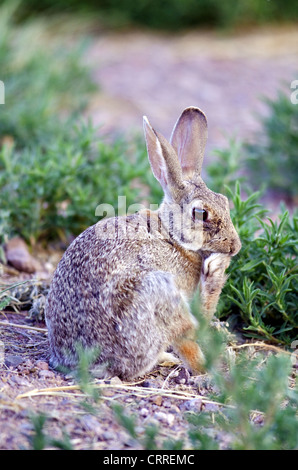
x,y
166,418
148,383
42,365
17,254
108,435
157,400
115,381
144,412
211,407
195,405
13,361
90,423
45,374
174,409
182,377
15,379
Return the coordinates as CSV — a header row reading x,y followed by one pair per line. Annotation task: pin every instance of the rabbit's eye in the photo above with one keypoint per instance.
x,y
199,214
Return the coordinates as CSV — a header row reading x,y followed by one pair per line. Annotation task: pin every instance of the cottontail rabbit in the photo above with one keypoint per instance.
x,y
124,284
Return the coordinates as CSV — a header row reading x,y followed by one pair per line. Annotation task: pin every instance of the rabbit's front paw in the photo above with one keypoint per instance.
x,y
213,278
215,265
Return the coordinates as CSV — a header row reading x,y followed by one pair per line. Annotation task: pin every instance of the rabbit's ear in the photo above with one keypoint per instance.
x,y
189,139
162,157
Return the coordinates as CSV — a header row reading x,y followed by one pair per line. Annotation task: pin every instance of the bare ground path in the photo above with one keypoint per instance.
x,y
159,75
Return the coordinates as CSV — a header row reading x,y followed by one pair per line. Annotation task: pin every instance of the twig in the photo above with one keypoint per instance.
x,y
12,286
261,345
168,377
134,390
25,327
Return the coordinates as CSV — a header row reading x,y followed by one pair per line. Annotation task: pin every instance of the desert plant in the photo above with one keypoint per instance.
x,y
272,156
262,283
5,293
256,407
40,439
46,83
68,179
261,411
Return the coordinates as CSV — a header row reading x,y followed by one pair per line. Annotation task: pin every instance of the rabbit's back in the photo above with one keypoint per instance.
x,y
116,288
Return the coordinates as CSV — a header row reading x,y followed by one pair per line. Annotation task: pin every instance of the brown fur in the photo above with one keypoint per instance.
x,y
124,284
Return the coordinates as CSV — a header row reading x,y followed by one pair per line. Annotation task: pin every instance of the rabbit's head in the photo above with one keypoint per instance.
x,y
195,217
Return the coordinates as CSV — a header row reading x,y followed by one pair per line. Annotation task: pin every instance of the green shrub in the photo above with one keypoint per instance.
x,y
44,80
51,193
260,295
39,439
254,408
262,285
260,411
172,14
272,157
225,167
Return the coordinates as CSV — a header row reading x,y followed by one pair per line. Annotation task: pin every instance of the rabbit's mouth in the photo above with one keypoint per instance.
x,y
224,245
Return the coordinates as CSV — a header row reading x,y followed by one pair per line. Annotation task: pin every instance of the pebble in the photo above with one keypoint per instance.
x,y
157,400
18,256
108,435
12,360
42,365
90,423
144,412
46,374
211,407
148,383
115,381
183,377
166,418
195,405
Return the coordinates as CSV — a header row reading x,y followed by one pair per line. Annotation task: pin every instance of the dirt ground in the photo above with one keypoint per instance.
x,y
30,388
157,75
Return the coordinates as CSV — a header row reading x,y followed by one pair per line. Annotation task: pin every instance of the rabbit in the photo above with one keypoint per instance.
x,y
124,285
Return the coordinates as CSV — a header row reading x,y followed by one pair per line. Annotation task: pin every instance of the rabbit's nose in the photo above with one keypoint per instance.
x,y
235,246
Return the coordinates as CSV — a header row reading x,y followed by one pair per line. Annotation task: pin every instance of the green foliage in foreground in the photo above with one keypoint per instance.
x,y
254,406
260,411
259,408
254,403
